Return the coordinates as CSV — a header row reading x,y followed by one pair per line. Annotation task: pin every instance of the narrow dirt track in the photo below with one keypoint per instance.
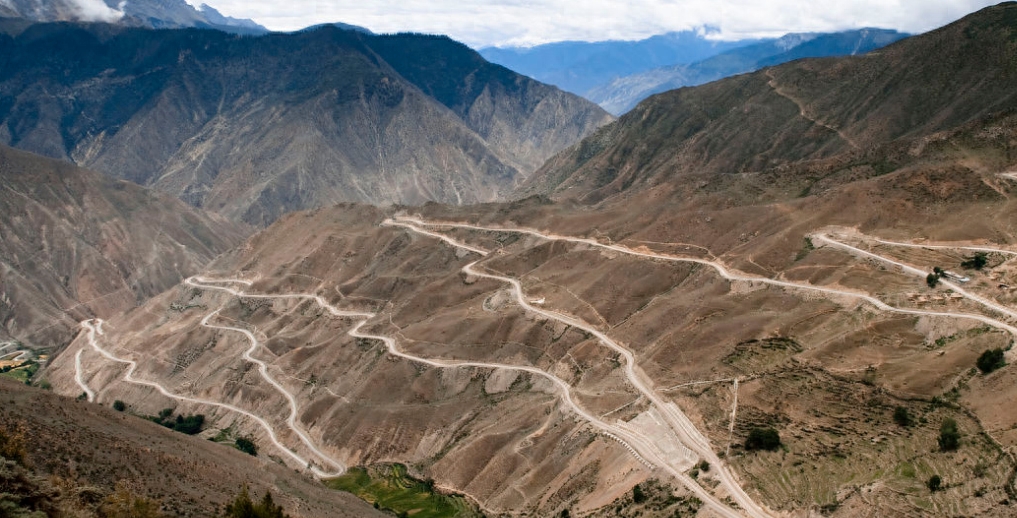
x,y
79,379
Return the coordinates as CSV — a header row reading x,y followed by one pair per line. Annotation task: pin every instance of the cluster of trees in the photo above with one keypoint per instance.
x,y
191,424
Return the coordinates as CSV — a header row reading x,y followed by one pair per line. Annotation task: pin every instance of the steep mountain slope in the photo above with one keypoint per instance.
x,y
156,14
75,244
578,66
624,93
807,109
255,127
82,453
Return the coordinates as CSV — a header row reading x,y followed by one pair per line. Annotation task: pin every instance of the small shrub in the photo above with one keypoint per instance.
x,y
901,416
949,435
762,439
932,280
119,406
934,483
990,360
704,466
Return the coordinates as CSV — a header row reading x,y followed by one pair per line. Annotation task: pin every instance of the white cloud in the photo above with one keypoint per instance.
x,y
96,11
528,22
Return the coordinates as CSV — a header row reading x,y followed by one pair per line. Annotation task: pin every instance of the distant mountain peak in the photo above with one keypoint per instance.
x,y
161,14
792,40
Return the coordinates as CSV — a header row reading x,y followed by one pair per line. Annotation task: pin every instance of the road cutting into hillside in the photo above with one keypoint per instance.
x,y
992,305
80,380
678,422
642,447
128,377
723,271
939,246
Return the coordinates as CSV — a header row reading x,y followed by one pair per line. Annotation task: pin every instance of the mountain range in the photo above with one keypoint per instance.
x,y
621,94
617,75
579,66
788,292
253,127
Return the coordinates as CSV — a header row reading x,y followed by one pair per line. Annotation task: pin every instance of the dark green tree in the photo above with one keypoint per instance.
x,y
119,406
637,494
762,439
976,262
247,446
934,483
901,416
990,360
949,435
932,280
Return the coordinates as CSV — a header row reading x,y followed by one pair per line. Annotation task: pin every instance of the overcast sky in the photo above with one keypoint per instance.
x,y
529,22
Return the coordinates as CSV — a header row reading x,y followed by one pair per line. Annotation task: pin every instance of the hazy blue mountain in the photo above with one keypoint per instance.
x,y
622,94
156,14
577,66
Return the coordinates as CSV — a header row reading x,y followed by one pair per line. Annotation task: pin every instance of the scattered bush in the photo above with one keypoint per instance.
x,y
704,466
990,360
124,504
119,406
243,507
932,280
949,435
13,444
934,483
901,416
762,439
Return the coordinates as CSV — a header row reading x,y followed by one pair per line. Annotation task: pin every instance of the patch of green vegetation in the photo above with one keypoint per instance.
x,y
807,247
22,373
389,487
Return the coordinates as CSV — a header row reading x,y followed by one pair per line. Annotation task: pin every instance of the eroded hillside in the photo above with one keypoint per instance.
x,y
76,245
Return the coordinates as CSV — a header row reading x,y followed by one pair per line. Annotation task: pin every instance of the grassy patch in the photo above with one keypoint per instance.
x,y
389,487
22,372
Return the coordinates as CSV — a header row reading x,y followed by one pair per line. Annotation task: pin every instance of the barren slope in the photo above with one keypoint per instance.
x,y
94,448
75,244
808,109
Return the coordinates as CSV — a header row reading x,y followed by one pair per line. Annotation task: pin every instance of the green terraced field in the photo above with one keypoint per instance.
x,y
390,487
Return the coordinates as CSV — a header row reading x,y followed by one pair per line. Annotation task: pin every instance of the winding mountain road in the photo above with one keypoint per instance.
x,y
91,330
678,422
79,379
723,271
